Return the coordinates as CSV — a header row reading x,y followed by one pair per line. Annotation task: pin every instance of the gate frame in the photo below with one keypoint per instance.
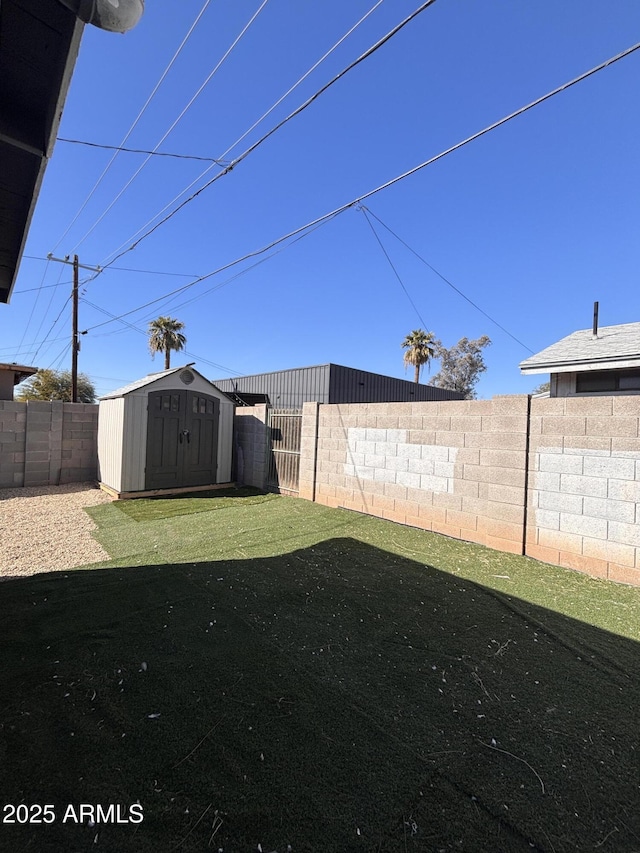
x,y
272,479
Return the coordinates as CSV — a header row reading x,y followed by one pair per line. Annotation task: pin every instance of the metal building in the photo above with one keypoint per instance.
x,y
329,383
169,430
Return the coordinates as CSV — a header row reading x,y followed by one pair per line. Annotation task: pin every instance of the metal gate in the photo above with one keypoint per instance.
x,y
285,429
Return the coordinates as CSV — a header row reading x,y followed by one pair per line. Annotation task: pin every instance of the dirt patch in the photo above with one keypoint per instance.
x,y
45,528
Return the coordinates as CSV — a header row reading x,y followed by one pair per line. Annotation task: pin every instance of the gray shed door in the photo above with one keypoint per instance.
x,y
182,439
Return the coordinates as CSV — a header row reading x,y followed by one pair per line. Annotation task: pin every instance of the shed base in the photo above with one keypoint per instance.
x,y
153,493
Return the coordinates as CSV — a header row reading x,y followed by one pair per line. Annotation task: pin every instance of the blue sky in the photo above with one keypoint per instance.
x,y
532,222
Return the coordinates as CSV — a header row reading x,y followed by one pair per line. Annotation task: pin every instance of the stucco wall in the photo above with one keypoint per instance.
x,y
47,443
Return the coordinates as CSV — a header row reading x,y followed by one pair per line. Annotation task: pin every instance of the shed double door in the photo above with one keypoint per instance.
x,y
182,439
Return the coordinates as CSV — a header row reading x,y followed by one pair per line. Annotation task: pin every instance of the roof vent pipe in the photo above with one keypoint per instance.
x,y
117,16
595,319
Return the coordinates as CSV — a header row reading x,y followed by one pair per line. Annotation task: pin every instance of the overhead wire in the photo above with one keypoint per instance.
x,y
299,231
51,298
253,126
237,160
136,121
43,287
35,302
175,123
195,298
367,210
55,364
123,269
395,271
243,272
342,208
140,151
145,334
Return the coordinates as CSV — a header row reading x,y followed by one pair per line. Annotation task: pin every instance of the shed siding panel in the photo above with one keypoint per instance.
x,y
135,442
225,442
110,442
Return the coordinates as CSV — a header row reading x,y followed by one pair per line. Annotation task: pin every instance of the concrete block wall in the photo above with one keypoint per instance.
x,y
453,467
47,443
250,437
584,485
79,459
13,422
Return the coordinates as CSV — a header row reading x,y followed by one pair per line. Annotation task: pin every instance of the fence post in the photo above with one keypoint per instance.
x,y
309,450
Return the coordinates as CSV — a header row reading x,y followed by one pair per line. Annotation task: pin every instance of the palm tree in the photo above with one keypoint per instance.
x,y
420,349
164,336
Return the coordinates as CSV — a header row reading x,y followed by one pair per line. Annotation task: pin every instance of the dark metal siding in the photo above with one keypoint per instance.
x,y
348,385
332,383
286,389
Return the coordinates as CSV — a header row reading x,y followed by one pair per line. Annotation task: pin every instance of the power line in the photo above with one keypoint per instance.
x,y
29,347
334,213
141,151
123,269
254,125
35,302
395,271
145,334
139,116
42,287
184,111
55,364
366,210
299,231
369,52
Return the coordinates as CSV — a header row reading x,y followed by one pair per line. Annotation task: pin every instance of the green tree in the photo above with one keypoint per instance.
x,y
56,385
419,349
461,365
165,334
543,388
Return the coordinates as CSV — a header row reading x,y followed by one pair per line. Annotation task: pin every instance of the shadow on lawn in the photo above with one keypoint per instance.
x,y
337,698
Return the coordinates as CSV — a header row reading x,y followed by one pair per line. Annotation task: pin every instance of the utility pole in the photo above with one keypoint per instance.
x,y
75,343
75,340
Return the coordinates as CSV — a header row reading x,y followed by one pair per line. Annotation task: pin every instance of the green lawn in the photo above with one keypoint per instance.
x,y
258,670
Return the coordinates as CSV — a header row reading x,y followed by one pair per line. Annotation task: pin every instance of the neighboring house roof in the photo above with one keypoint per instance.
x,y
613,347
20,371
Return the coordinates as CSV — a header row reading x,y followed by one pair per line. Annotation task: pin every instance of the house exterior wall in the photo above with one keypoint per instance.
x,y
47,443
6,385
566,385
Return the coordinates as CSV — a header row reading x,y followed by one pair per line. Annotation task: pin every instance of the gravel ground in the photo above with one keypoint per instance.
x,y
44,528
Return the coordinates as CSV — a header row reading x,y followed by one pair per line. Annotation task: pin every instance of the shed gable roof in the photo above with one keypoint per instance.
x,y
613,347
151,378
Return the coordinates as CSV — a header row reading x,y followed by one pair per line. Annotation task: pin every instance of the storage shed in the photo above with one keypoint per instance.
x,y
168,431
